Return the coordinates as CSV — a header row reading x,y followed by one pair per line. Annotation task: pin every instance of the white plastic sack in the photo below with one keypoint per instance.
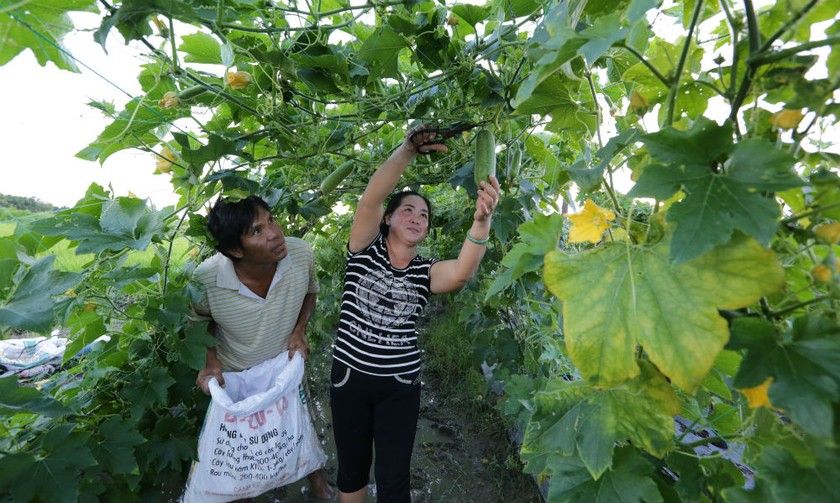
x,y
257,434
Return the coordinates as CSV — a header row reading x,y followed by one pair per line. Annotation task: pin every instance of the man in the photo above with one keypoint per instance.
x,y
258,294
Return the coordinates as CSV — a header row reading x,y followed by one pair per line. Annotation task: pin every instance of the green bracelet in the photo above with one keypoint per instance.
x,y
478,241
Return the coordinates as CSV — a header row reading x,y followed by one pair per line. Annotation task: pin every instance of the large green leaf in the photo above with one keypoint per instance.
x,y
619,296
577,418
116,449
790,480
538,238
40,26
52,474
805,367
381,52
125,223
725,185
629,481
15,399
30,306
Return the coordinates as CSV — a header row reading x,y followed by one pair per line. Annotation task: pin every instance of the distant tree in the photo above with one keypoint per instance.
x,y
31,204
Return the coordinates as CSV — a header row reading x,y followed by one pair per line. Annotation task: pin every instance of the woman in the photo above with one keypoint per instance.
x,y
375,392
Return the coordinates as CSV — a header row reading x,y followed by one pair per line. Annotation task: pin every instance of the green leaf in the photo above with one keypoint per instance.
x,y
30,306
192,349
789,480
116,448
53,474
577,418
538,237
15,399
201,48
805,368
381,52
635,295
40,26
721,196
124,223
148,390
629,481
134,127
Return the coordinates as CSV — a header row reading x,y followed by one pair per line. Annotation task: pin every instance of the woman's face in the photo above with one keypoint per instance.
x,y
410,220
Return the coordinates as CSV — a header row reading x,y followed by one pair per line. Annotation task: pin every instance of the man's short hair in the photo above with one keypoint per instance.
x,y
229,221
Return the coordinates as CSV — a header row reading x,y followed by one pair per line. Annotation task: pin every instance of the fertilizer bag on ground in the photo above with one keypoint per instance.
x,y
257,434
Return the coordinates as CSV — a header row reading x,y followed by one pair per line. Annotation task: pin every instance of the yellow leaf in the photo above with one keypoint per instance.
x,y
757,396
787,119
589,225
828,232
638,103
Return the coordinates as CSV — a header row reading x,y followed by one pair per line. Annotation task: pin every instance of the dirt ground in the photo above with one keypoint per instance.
x,y
458,457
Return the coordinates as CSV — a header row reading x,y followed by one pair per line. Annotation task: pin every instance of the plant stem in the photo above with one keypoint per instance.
x,y
764,58
672,92
794,307
647,63
790,22
597,108
807,214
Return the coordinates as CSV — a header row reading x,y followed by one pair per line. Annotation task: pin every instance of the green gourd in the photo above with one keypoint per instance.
x,y
485,156
329,183
514,162
191,92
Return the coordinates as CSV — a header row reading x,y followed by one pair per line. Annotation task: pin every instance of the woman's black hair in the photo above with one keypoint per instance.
x,y
228,222
394,203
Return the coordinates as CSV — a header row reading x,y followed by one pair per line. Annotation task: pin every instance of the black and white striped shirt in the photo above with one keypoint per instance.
x,y
379,310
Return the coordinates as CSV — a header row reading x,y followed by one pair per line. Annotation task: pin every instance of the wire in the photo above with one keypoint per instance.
x,y
16,16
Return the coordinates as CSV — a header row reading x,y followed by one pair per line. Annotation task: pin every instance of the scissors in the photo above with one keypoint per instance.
x,y
441,134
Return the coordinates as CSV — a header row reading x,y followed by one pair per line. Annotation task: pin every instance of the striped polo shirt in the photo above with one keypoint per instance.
x,y
251,329
379,310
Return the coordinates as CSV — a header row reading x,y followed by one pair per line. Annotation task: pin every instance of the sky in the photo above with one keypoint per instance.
x,y
47,121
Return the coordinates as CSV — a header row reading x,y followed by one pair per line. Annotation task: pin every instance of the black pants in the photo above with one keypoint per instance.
x,y
370,411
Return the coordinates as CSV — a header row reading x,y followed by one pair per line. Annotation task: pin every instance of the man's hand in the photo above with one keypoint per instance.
x,y
298,343
203,379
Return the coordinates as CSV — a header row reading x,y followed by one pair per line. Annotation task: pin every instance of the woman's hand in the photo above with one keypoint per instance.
x,y
488,198
417,136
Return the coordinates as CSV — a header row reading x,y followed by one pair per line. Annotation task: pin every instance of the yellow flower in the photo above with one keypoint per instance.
x,y
787,119
589,225
757,396
821,273
829,233
169,100
164,160
238,80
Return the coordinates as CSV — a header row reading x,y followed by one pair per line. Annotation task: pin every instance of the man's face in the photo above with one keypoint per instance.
x,y
264,242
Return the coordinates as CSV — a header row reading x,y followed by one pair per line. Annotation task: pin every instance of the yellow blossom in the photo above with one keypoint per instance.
x,y
169,100
821,273
787,119
757,396
164,160
238,80
589,225
829,233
